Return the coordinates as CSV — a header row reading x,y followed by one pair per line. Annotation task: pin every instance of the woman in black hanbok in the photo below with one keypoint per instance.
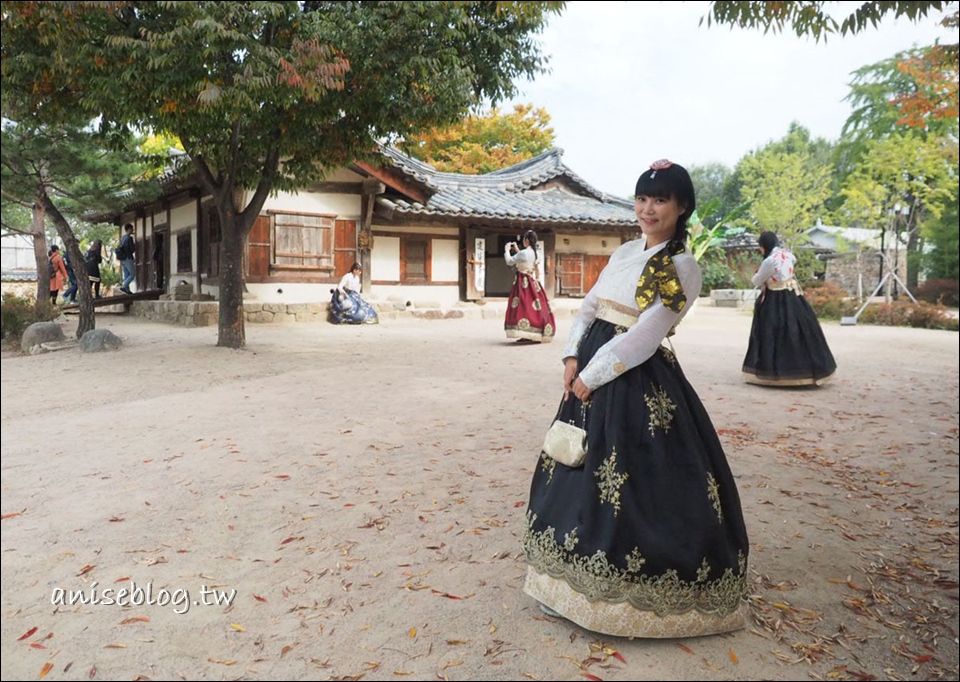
x,y
787,346
647,538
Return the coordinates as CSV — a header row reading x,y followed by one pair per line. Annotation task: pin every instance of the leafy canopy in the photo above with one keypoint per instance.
x,y
485,143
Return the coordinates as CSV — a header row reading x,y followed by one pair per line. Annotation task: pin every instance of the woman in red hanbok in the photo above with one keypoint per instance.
x,y
528,311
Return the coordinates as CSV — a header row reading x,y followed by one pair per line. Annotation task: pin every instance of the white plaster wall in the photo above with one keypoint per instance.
x,y
586,243
421,296
385,258
445,260
289,292
181,216
345,206
445,231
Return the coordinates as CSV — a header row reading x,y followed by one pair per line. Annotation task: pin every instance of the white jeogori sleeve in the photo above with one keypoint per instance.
x,y
585,317
343,283
631,349
766,271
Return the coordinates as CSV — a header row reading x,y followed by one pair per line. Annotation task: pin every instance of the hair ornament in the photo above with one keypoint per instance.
x,y
659,165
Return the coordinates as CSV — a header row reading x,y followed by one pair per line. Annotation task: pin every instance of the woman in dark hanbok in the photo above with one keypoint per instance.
x,y
787,346
647,538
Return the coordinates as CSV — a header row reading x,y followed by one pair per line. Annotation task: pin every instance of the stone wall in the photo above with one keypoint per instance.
x,y
846,269
207,313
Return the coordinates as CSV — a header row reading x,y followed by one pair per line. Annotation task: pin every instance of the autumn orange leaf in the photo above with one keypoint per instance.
x,y
685,648
283,477
413,632
258,597
733,657
238,628
135,619
47,667
28,633
87,569
519,504
9,516
37,645
592,677
115,646
122,580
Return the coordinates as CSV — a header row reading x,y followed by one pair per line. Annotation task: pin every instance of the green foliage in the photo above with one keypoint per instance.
x,y
715,273
874,93
808,267
788,182
810,18
482,144
710,181
943,235
19,312
702,239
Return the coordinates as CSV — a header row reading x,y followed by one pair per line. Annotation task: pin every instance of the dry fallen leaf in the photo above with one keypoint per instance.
x,y
238,628
733,657
28,633
47,667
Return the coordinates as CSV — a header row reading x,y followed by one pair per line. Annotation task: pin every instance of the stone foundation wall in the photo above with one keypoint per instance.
x,y
207,313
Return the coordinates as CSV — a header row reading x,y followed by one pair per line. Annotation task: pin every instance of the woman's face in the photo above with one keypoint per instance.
x,y
657,217
526,242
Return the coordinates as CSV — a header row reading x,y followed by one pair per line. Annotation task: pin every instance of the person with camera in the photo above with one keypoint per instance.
x,y
642,534
529,318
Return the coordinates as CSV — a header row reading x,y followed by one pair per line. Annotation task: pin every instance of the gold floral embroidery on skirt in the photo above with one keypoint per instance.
x,y
596,578
610,481
669,356
523,323
524,282
548,465
514,302
713,492
536,304
635,561
570,540
661,410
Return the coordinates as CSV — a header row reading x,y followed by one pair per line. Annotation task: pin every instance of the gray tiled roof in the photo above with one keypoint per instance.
x,y
511,194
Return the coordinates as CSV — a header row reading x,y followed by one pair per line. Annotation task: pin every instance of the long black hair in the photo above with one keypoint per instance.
x,y
670,182
768,242
531,237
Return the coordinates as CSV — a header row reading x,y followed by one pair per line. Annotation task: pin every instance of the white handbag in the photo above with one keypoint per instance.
x,y
565,442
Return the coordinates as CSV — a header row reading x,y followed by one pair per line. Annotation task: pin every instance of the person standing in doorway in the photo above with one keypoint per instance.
x,y
127,255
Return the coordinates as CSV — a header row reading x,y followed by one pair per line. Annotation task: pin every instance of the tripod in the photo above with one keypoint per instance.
x,y
891,272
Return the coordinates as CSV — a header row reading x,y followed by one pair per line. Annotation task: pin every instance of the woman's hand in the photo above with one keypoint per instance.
x,y
569,373
580,390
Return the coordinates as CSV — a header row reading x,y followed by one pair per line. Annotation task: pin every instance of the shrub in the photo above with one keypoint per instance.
x,y
942,291
909,314
829,301
716,274
19,312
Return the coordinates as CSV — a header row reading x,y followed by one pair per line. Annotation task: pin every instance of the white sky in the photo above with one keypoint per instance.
x,y
633,82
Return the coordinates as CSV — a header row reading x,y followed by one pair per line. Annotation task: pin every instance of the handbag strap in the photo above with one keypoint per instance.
x,y
583,412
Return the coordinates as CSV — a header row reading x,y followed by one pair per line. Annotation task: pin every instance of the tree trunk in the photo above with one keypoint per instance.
x,y
88,319
40,252
913,259
232,333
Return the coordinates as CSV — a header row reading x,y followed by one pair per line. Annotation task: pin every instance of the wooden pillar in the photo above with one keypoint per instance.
x,y
371,189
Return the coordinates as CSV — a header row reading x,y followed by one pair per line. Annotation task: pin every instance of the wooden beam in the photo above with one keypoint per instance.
x,y
396,181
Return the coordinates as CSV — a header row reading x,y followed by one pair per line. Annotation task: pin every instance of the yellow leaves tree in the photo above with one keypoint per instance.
x,y
483,143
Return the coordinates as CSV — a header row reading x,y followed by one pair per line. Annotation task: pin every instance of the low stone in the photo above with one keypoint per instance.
x,y
39,333
99,340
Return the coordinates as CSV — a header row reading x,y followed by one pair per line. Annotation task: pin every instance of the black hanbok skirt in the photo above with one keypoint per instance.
x,y
647,538
350,308
787,346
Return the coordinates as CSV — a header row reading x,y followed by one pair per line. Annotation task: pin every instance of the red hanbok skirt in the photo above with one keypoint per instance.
x,y
528,311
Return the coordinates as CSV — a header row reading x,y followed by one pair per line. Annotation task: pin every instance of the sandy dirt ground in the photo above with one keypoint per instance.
x,y
357,495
